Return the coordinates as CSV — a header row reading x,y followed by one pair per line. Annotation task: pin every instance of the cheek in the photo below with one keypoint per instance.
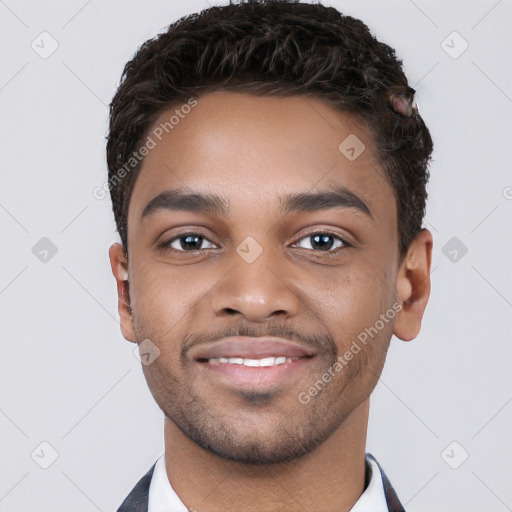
x,y
348,301
163,297
351,307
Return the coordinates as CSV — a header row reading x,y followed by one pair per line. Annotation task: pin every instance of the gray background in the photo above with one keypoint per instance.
x,y
69,379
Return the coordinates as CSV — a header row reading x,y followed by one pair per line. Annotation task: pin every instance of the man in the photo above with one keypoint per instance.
x,y
267,167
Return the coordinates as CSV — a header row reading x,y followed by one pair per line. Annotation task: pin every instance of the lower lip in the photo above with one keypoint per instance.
x,y
256,376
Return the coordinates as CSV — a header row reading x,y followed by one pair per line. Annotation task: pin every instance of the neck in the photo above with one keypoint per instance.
x,y
331,478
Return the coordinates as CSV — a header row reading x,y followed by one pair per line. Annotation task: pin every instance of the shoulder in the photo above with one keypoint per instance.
x,y
392,500
137,500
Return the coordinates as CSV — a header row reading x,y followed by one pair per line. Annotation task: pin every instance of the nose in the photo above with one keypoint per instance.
x,y
258,291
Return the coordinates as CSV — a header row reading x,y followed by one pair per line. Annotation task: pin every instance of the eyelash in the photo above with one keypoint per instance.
x,y
166,245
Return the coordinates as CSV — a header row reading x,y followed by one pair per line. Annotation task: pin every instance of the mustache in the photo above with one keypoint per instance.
x,y
318,342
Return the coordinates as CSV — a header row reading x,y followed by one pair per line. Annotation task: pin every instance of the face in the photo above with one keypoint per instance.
x,y
258,252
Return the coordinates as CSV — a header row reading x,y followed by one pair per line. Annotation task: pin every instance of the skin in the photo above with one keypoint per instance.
x,y
227,449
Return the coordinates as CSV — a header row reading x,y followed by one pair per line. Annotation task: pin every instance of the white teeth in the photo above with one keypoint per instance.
x,y
266,361
251,362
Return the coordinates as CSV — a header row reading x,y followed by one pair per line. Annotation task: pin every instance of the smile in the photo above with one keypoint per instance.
x,y
264,362
251,363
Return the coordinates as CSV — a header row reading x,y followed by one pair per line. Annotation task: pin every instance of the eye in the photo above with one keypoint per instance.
x,y
321,242
188,242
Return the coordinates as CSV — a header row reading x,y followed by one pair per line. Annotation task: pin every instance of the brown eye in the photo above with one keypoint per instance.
x,y
189,242
321,242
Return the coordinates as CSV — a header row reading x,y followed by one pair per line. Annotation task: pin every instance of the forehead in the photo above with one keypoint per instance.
x,y
253,150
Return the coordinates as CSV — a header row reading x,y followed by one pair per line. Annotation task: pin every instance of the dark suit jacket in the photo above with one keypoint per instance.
x,y
137,500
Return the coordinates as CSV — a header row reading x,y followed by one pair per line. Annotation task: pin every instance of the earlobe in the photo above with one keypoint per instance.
x,y
119,265
413,286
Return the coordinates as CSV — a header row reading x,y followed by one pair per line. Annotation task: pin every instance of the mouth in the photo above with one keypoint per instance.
x,y
252,363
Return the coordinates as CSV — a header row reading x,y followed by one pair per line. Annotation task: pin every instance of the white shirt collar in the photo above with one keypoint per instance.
x,y
163,498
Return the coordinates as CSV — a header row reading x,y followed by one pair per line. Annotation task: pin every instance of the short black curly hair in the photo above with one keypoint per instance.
x,y
280,48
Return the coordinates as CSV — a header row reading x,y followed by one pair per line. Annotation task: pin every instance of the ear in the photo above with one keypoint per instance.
x,y
413,286
119,264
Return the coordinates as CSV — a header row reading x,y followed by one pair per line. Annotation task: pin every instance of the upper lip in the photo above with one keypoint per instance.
x,y
250,348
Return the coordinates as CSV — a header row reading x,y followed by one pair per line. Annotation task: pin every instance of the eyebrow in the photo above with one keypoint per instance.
x,y
183,200
333,197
